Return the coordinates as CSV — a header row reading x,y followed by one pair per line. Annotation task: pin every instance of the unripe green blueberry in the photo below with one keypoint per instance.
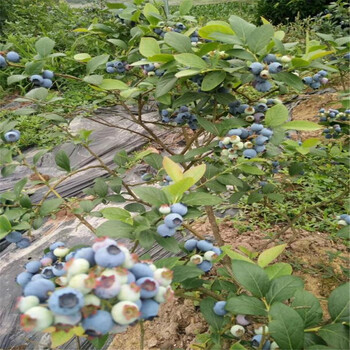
x,y
120,274
226,140
165,209
156,65
210,255
238,146
234,139
125,312
129,292
286,59
265,74
225,152
92,299
237,331
61,252
76,267
62,281
151,74
274,346
36,319
248,145
263,100
196,259
163,276
233,156
261,330
26,303
249,118
164,294
80,283
342,223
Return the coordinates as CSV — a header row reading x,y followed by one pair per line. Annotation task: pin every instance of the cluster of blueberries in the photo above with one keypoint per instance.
x,y
344,220
173,219
117,67
238,329
16,237
12,136
180,116
263,72
178,28
210,253
11,56
152,69
333,114
99,288
254,113
43,80
247,142
316,80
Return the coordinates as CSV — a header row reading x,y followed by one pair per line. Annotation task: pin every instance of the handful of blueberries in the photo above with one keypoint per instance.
x,y
97,288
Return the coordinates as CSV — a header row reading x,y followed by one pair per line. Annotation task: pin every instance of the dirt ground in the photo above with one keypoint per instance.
x,y
179,321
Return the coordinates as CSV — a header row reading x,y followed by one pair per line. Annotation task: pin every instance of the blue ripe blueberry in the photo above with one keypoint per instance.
x,y
87,254
47,83
120,69
58,269
13,237
191,244
12,136
323,73
165,120
263,87
13,56
39,288
237,132
270,102
173,220
68,319
275,171
98,324
131,278
205,266
140,270
308,80
149,309
24,278
36,277
316,85
261,107
256,127
110,70
149,287
270,58
275,67
266,132
256,68
36,79
347,56
164,113
332,115
48,74
23,243
55,245
204,245
183,109
180,26
261,140
3,63
249,153
194,39
256,340
219,308
47,272
275,163
160,72
179,208
66,301
118,64
110,64
244,134
149,67
164,231
260,149
110,256
33,266
217,251
157,30
317,77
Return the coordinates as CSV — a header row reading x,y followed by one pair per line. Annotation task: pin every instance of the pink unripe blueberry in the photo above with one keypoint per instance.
x,y
36,319
240,319
102,242
164,294
164,209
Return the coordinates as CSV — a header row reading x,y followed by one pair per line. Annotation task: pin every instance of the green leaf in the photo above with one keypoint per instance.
x,y
179,187
44,46
168,243
99,342
278,270
96,62
241,27
119,43
283,288
336,336
308,307
206,307
18,187
200,198
259,38
339,302
246,305
255,197
50,206
184,272
270,254
302,125
25,201
38,155
191,60
187,73
165,84
290,79
286,327
82,57
5,226
207,31
5,156
37,94
117,214
113,84
115,229
151,195
100,187
15,78
59,338
251,169
94,79
185,7
34,67
212,80
234,255
276,116
62,161
180,42
135,208
251,277
172,169
154,160
149,47
213,128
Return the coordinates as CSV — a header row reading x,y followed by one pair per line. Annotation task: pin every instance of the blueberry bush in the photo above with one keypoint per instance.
x,y
221,87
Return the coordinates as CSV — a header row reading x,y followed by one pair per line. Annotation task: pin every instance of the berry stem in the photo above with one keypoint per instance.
x,y
142,335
